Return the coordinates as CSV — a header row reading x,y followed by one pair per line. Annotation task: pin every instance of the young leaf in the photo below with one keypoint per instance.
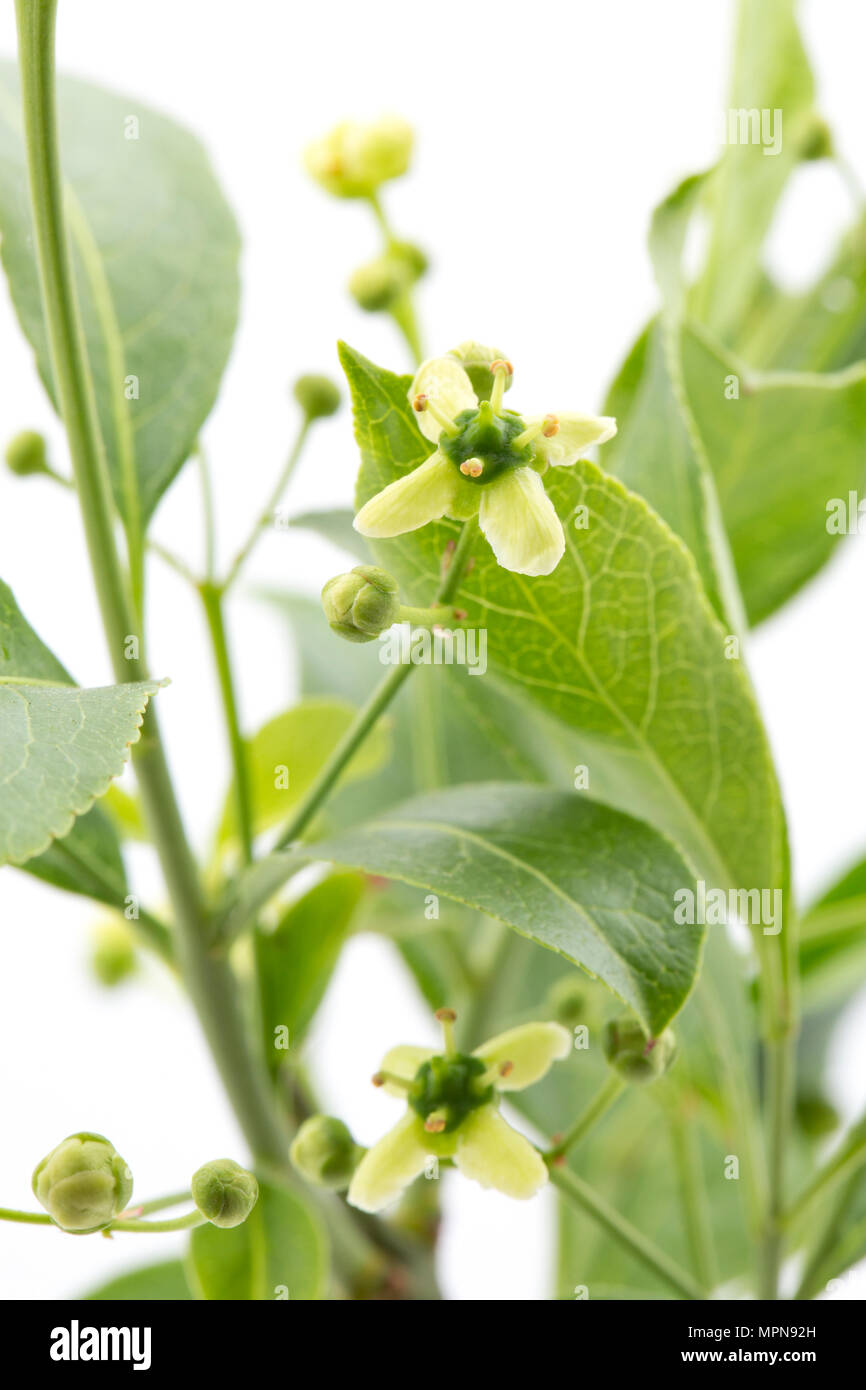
x,y
287,753
155,252
296,959
619,643
280,1252
577,877
60,747
158,1283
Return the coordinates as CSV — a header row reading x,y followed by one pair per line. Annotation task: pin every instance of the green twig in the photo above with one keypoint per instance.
x,y
581,1196
369,715
693,1194
598,1106
266,516
212,600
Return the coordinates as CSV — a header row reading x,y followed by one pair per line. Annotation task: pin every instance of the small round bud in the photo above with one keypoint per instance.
x,y
568,1001
378,284
361,604
477,361
317,396
112,956
352,160
819,141
83,1184
635,1056
26,454
324,1152
224,1192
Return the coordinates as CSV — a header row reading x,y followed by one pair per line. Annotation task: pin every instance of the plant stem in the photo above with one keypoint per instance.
x,y
212,600
173,1199
152,1228
843,1164
211,983
208,513
369,715
598,1106
266,515
25,1218
583,1198
780,1078
687,1154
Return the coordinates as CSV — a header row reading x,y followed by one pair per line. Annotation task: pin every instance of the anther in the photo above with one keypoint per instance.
x,y
420,402
472,468
550,426
435,1123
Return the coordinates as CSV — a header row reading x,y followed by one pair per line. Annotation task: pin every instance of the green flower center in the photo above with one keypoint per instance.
x,y
450,1088
486,436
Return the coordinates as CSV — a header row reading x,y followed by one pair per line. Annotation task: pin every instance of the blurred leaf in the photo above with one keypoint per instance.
x,y
155,251
287,753
60,747
833,941
336,526
574,876
619,643
279,1252
86,861
770,73
296,958
163,1282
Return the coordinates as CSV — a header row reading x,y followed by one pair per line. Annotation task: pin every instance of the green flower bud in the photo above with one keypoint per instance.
x,y
635,1056
112,957
317,396
26,454
378,284
83,1184
324,1152
819,142
475,359
352,160
570,1001
224,1192
361,604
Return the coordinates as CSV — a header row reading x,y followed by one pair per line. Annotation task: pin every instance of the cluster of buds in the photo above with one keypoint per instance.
x,y
353,160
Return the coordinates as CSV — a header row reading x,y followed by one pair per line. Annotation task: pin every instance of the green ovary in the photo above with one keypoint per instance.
x,y
487,436
450,1087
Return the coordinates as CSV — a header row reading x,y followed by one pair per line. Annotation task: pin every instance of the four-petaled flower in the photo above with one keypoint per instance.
x,y
452,1113
488,462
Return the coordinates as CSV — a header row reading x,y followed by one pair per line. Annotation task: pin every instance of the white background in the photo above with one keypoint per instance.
x,y
546,133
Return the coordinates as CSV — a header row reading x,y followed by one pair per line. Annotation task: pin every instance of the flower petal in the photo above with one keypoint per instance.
x,y
532,1048
520,522
574,436
404,1061
494,1154
444,381
423,495
390,1165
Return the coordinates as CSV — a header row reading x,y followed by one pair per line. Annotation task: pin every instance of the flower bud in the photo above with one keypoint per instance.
x,y
83,1184
352,160
26,454
475,359
378,284
112,956
816,1117
361,604
224,1192
571,1001
324,1152
317,396
635,1056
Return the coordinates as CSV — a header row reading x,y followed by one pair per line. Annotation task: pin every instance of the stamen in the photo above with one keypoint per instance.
x,y
472,468
502,374
435,1123
551,426
497,1072
531,432
447,1017
423,402
392,1079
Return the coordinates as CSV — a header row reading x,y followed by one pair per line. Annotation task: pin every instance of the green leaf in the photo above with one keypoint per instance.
x,y
60,747
155,251
577,877
780,452
158,1283
335,525
86,861
771,73
287,753
833,941
619,643
280,1251
295,960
